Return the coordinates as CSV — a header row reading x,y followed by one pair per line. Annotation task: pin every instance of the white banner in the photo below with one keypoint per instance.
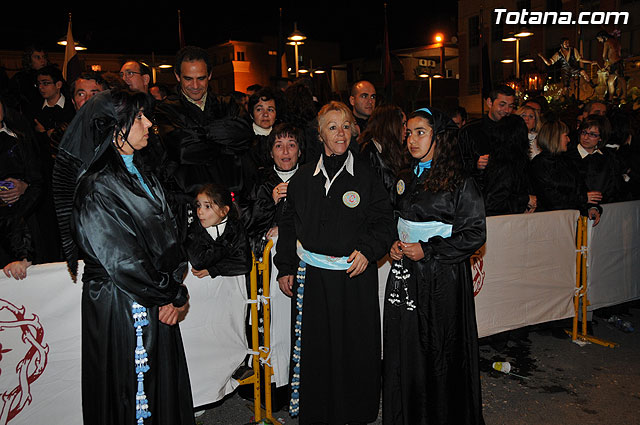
x,y
613,256
527,274
40,343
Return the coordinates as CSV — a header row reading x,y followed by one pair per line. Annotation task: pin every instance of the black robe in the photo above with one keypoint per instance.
x,y
132,254
340,359
557,184
599,172
260,213
431,372
383,170
228,255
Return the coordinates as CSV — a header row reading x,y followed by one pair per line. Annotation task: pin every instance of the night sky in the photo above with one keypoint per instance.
x,y
357,25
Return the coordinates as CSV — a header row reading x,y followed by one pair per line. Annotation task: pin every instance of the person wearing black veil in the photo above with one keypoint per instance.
x,y
431,374
134,369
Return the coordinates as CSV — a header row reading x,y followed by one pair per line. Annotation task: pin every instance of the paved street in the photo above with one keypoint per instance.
x,y
563,384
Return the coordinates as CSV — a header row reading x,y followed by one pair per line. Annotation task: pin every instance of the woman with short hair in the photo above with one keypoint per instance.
x,y
337,224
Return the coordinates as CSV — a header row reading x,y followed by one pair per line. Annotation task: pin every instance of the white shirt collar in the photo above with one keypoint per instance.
x,y
377,145
583,152
285,176
348,165
5,129
217,229
60,102
261,131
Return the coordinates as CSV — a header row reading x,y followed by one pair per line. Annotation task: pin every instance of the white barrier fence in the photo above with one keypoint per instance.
x,y
526,276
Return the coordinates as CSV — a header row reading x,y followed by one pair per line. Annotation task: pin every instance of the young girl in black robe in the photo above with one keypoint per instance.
x,y
431,373
217,244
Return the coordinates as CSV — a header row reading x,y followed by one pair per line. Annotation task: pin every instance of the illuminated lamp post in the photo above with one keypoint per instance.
x,y
296,38
516,37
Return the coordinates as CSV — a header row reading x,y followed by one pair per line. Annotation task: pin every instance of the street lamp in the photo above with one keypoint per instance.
x,y
296,38
516,37
439,38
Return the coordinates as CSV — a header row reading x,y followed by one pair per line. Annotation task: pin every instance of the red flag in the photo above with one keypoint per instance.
x,y
180,33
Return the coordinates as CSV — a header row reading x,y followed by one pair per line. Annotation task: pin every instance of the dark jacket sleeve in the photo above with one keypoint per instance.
x,y
16,238
505,191
469,228
111,233
286,259
380,232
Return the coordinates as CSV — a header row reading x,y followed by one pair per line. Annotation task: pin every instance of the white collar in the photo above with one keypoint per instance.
x,y
217,229
348,165
285,176
583,152
612,146
60,102
261,131
5,129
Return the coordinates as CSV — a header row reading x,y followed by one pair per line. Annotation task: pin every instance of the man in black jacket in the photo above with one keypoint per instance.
x,y
205,135
475,137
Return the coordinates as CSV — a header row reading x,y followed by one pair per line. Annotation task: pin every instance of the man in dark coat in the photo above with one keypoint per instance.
x,y
475,137
204,134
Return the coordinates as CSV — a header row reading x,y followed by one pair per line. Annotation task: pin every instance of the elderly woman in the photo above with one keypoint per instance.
x,y
555,180
337,224
268,198
134,369
533,121
431,371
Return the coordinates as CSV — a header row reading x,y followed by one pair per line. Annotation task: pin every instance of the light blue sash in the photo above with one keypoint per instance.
x,y
415,231
322,261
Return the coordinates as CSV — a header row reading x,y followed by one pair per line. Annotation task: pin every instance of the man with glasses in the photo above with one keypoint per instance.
x,y
136,75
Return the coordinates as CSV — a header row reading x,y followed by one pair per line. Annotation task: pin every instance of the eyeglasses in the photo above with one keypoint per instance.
x,y
590,134
129,74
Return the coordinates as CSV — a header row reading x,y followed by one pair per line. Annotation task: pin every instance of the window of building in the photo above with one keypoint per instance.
x,y
240,56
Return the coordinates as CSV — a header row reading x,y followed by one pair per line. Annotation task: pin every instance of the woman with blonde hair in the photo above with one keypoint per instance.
x,y
337,224
555,180
533,121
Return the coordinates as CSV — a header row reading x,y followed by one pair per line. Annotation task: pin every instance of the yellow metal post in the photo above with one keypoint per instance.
x,y
266,317
581,288
576,296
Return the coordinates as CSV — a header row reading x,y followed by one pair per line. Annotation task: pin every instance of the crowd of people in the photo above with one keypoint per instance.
x,y
138,180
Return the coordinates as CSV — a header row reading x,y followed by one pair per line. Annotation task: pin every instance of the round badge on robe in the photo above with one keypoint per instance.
x,y
400,187
351,199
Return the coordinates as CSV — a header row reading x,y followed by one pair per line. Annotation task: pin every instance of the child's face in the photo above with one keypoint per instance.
x,y
209,212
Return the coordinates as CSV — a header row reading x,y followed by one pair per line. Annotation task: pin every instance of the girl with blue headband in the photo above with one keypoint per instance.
x,y
431,373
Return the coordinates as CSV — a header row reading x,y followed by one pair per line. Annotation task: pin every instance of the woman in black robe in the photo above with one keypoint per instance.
x,y
382,144
134,369
340,214
431,373
555,179
268,199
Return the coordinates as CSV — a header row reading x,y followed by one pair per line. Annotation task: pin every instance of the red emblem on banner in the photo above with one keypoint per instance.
x,y
23,358
477,271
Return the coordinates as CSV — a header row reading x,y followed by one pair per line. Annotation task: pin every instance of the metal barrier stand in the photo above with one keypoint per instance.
x,y
580,301
263,355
